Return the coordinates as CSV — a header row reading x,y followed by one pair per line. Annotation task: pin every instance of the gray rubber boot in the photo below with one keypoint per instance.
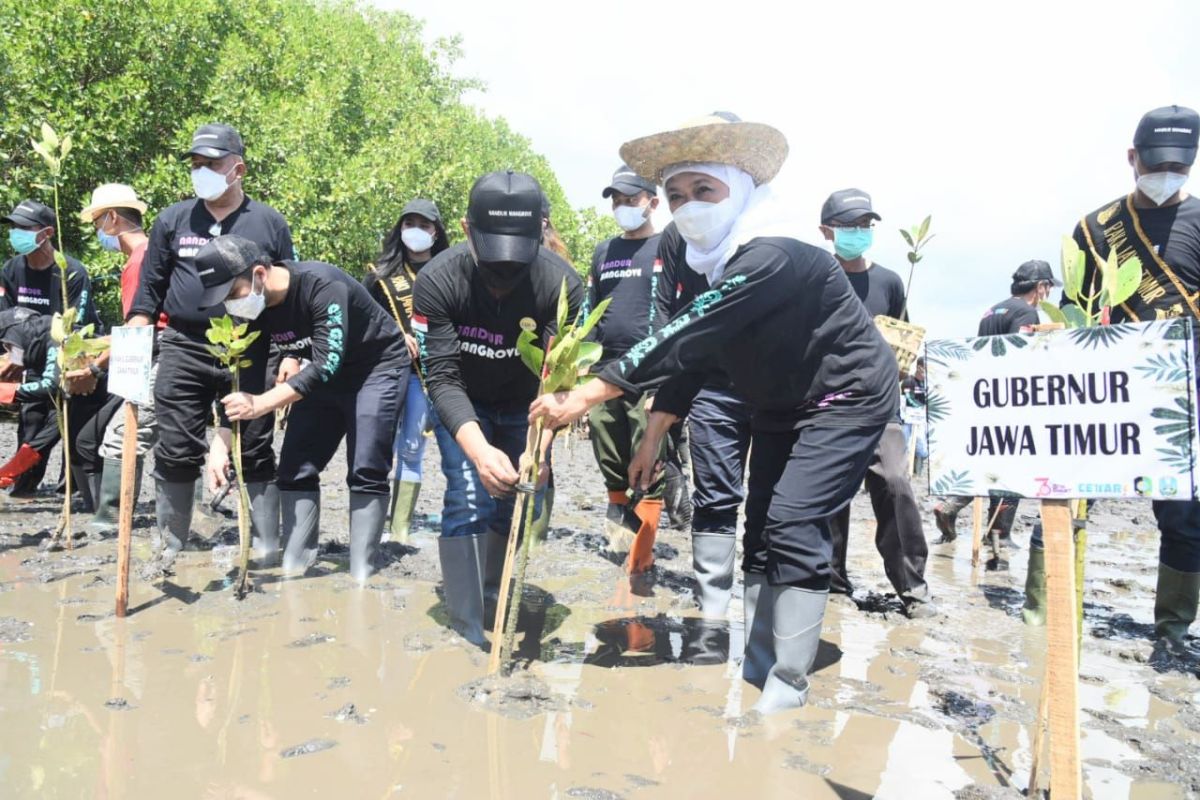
x,y
87,485
108,501
462,584
712,558
493,566
367,513
300,513
173,507
1175,601
759,650
264,522
798,617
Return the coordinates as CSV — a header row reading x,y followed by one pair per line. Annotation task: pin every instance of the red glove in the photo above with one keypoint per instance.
x,y
8,393
26,459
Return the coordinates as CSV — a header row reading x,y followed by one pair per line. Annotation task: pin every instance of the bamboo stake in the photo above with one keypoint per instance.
x,y
125,514
1039,732
977,530
509,557
1063,650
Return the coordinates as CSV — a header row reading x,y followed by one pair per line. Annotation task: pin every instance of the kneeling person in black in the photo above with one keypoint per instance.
x,y
350,387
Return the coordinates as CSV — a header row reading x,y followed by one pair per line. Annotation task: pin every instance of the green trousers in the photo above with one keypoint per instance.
x,y
617,427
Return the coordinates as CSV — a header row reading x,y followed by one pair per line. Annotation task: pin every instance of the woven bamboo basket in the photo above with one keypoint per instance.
x,y
903,337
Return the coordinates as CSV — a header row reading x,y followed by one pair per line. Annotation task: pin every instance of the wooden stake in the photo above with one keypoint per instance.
x,y
125,515
1039,728
977,531
1062,659
510,551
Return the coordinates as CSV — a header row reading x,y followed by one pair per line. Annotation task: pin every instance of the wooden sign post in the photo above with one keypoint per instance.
x,y
1062,635
128,500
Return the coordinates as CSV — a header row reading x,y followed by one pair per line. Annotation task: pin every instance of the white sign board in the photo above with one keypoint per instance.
x,y
1092,412
129,363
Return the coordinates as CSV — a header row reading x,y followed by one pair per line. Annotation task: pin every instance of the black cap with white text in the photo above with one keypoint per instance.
x,y
1168,135
505,217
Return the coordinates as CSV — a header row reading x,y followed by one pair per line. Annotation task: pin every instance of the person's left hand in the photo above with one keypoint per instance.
x,y
414,351
543,470
242,406
10,371
558,409
80,382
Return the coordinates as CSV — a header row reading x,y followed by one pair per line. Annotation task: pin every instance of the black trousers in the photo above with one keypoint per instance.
x,y
899,535
91,435
189,385
36,423
719,437
798,480
41,433
365,414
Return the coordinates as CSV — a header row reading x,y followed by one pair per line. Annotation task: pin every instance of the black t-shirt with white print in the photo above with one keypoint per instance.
x,y
628,271
1007,317
40,290
468,337
328,318
169,281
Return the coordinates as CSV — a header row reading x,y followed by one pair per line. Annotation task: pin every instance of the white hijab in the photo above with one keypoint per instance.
x,y
759,213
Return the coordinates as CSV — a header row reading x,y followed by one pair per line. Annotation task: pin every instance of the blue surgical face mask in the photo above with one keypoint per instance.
x,y
107,240
850,243
23,241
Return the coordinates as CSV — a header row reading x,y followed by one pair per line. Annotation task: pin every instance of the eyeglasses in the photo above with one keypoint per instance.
x,y
862,226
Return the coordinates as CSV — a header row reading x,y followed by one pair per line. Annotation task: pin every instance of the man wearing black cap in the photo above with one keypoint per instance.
x,y
848,220
1160,224
349,389
189,380
470,305
626,270
1031,284
32,280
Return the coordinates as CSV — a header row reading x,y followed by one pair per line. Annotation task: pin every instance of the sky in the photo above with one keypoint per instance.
x,y
1006,122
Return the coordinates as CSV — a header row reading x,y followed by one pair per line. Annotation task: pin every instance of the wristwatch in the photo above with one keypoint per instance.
x,y
97,373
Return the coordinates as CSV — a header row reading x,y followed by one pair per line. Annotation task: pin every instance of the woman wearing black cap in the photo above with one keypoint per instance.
x,y
782,322
418,236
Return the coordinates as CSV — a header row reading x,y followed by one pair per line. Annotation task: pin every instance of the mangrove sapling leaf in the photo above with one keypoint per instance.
x,y
564,308
1129,275
1074,317
1072,269
1054,313
531,354
916,237
229,344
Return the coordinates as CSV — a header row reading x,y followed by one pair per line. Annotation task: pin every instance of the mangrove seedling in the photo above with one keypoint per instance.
x,y
1113,282
916,237
228,345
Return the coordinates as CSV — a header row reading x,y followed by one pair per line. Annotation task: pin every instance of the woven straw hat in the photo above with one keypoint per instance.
x,y
718,137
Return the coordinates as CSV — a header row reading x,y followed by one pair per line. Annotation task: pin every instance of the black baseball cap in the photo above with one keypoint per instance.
x,y
31,214
422,208
222,261
1167,135
1035,271
628,182
505,217
216,141
847,205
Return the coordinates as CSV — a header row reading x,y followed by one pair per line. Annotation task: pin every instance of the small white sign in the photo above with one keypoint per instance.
x,y
1090,412
129,363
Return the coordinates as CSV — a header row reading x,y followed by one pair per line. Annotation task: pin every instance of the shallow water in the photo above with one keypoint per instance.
x,y
624,696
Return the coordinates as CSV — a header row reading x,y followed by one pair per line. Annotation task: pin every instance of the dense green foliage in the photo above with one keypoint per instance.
x,y
345,112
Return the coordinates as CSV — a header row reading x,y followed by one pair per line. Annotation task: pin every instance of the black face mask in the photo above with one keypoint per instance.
x,y
502,276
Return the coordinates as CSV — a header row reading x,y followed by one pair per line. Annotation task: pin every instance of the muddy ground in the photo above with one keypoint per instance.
x,y
313,687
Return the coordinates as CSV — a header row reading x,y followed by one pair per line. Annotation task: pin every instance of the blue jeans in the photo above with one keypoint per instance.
x,y
468,510
410,433
922,450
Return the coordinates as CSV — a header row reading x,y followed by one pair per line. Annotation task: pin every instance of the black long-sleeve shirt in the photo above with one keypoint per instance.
x,y
169,281
628,271
784,324
40,379
40,290
468,338
330,319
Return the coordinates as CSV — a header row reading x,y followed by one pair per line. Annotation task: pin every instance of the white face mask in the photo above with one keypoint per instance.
x,y
704,225
208,184
417,240
1161,186
250,306
16,356
630,218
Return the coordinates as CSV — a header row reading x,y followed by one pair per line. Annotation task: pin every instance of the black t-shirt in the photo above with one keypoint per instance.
x,y
1174,231
880,290
468,338
328,318
169,281
628,271
40,290
785,326
1007,317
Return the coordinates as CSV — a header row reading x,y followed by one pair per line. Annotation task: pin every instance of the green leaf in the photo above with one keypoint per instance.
x,y
592,319
913,258
1074,316
907,237
40,149
1072,268
49,137
215,352
924,228
564,308
65,148
245,363
589,354
1129,275
215,335
1053,312
531,355
61,260
1108,278
57,329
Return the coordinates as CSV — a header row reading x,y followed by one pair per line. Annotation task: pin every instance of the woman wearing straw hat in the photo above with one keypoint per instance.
x,y
781,320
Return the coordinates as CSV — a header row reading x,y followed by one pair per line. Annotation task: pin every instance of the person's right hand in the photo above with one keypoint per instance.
x,y
288,368
138,320
216,465
645,467
414,350
10,371
496,472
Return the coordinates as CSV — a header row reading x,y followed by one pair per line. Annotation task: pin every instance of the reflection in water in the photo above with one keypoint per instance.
x,y
651,641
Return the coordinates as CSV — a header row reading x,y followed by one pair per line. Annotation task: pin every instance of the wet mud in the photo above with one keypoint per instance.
x,y
315,686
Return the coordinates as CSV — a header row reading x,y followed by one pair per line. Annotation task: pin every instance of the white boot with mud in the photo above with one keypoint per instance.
x,y
367,512
713,555
173,507
797,633
301,515
264,522
759,648
462,584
